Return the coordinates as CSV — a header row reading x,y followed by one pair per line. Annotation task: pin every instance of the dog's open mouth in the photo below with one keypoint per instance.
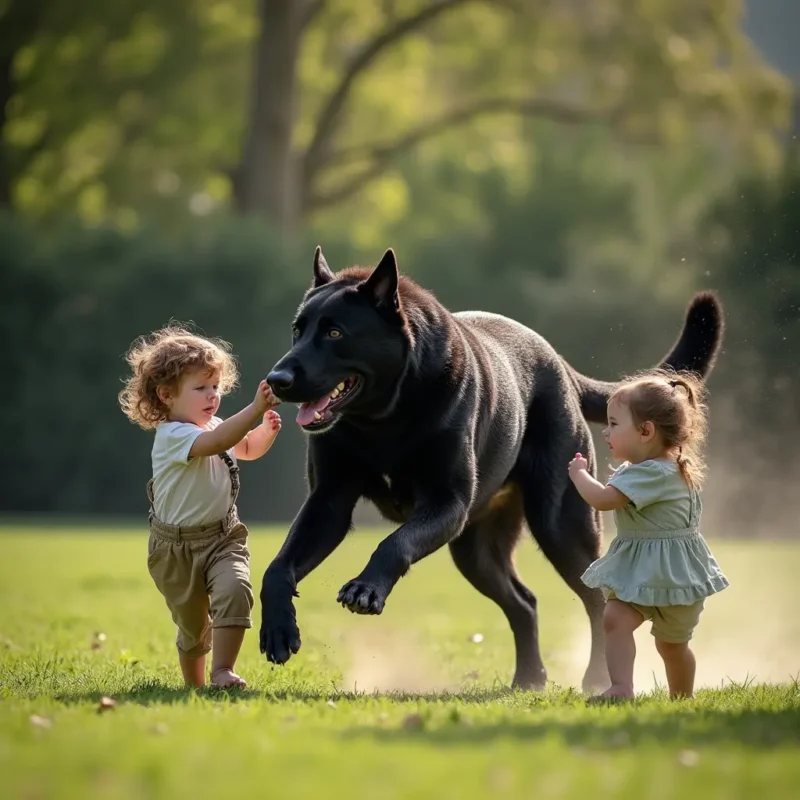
x,y
320,412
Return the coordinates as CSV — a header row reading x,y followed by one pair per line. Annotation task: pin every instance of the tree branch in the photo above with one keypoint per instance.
x,y
382,154
326,122
347,189
310,12
548,109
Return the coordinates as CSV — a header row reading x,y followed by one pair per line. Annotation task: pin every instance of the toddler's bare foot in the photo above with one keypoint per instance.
x,y
614,694
227,678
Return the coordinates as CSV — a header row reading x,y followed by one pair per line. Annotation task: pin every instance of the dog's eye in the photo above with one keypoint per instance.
x,y
333,333
295,332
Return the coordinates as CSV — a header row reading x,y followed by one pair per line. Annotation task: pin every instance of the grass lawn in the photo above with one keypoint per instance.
x,y
412,704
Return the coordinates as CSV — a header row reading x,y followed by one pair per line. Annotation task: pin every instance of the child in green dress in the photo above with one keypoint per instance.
x,y
659,567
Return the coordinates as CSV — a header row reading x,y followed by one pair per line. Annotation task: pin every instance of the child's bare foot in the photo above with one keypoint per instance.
x,y
227,678
194,670
614,694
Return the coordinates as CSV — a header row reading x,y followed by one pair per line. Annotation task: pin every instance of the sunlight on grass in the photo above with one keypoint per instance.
x,y
81,621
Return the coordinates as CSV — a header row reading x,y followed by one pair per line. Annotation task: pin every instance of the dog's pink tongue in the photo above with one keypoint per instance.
x,y
305,415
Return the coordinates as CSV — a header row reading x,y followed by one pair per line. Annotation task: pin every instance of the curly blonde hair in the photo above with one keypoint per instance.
x,y
675,402
162,359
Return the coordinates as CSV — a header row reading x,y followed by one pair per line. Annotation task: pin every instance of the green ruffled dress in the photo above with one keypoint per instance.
x,y
659,557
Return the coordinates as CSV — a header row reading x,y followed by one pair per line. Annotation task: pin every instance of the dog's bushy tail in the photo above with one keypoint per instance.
x,y
695,350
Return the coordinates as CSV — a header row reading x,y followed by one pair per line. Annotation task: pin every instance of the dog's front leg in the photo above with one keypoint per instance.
x,y
427,529
439,516
319,528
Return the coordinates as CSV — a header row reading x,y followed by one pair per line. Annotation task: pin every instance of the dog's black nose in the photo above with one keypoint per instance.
x,y
280,380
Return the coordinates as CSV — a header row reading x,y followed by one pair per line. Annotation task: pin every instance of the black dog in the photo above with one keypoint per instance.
x,y
460,427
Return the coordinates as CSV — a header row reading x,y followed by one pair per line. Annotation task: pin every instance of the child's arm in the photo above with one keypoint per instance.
x,y
230,432
602,498
260,439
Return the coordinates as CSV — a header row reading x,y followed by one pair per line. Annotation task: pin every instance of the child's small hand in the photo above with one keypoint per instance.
x,y
578,464
264,398
272,422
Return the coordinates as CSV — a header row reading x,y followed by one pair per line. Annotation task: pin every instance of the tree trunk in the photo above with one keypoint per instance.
x,y
266,182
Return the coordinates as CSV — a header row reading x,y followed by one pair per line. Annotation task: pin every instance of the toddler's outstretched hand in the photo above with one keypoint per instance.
x,y
264,398
578,464
272,422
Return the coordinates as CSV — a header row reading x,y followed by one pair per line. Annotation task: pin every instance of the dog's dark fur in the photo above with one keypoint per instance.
x,y
460,429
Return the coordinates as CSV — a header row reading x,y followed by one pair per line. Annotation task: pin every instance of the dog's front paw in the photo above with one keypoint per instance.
x,y
279,636
362,597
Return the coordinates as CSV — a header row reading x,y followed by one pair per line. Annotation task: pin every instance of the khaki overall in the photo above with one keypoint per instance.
x,y
203,571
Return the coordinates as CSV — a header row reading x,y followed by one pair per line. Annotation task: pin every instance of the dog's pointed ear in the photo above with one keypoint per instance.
x,y
322,272
382,284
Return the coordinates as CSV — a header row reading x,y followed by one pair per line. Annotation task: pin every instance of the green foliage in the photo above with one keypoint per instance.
x,y
78,298
755,244
751,244
96,105
124,113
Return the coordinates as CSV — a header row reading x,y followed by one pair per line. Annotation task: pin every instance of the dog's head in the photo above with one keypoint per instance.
x,y
350,345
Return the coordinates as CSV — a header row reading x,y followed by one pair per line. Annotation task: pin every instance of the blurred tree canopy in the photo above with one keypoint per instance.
x,y
286,108
580,165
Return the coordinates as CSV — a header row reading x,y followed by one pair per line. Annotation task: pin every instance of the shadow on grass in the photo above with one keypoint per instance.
x,y
155,692
754,728
467,696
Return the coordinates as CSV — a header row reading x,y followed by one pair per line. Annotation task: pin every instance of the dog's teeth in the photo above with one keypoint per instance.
x,y
334,394
317,415
340,387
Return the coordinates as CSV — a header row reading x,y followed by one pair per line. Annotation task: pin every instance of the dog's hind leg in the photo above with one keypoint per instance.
x,y
565,527
568,533
483,554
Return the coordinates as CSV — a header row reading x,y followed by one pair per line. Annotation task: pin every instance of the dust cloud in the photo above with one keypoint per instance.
x,y
733,645
391,661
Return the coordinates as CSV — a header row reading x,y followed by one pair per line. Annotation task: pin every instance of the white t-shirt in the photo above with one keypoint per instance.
x,y
186,491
